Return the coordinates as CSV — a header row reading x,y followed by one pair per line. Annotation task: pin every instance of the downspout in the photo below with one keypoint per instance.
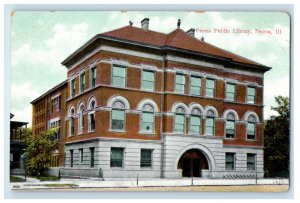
x,y
162,100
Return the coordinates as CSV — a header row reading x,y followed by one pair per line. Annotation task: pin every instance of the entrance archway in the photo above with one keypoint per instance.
x,y
192,162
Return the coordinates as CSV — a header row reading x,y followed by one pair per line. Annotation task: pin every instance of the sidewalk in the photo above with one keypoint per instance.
x,y
96,183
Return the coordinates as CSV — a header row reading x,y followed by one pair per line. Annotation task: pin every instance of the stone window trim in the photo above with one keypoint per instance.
x,y
147,109
80,113
71,121
92,105
143,80
176,82
112,76
227,92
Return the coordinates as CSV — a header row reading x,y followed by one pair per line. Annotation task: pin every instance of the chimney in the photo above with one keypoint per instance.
x,y
145,23
191,32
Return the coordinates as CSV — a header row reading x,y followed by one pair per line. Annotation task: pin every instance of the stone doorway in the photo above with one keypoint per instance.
x,y
192,162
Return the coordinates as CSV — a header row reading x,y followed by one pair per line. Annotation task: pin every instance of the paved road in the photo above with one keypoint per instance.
x,y
246,188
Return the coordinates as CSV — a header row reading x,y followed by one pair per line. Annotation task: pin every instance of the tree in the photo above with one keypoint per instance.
x,y
39,151
276,142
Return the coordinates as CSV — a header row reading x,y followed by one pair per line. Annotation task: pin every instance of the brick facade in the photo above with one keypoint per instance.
x,y
164,100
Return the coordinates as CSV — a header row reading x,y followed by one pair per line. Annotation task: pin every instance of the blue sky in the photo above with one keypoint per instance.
x,y
40,41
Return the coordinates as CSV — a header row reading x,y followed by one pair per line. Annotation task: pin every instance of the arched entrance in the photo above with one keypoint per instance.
x,y
192,162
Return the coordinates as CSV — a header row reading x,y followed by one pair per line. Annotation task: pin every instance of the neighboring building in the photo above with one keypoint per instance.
x,y
48,111
17,143
148,104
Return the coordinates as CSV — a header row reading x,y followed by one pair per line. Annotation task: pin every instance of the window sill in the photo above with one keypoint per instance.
x,y
147,133
146,168
251,140
91,131
117,131
80,133
229,138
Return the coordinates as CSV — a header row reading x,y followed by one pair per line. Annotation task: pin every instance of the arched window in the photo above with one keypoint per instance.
x,y
147,118
80,118
251,128
230,126
195,121
179,120
210,123
71,122
117,116
91,117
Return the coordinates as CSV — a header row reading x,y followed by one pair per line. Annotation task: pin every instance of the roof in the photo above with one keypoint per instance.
x,y
177,39
49,91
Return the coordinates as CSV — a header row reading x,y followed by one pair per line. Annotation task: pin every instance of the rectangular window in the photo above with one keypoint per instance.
x,y
92,155
117,122
230,161
251,159
194,124
71,158
146,158
251,131
93,77
179,83
118,76
195,88
147,80
116,157
179,123
82,82
209,126
251,95
81,155
230,92
147,122
73,83
210,88
229,129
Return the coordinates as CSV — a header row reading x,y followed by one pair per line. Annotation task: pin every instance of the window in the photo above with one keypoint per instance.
x,y
251,95
118,76
195,88
147,80
146,158
81,155
195,121
55,104
230,92
71,122
210,88
251,125
73,84
118,116
251,162
179,120
179,83
71,158
93,77
82,82
147,119
230,126
116,157
91,118
229,161
80,118
210,123
92,155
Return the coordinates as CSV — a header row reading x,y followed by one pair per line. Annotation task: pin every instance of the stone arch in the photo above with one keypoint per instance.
x,y
180,104
206,152
147,101
195,105
90,100
115,98
249,113
208,108
227,111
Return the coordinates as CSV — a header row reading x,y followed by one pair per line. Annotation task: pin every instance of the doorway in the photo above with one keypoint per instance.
x,y
192,162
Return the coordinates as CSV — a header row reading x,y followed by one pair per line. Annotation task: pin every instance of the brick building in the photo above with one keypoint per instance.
x,y
49,111
149,104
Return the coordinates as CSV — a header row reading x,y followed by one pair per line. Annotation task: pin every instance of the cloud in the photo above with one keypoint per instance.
x,y
21,96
